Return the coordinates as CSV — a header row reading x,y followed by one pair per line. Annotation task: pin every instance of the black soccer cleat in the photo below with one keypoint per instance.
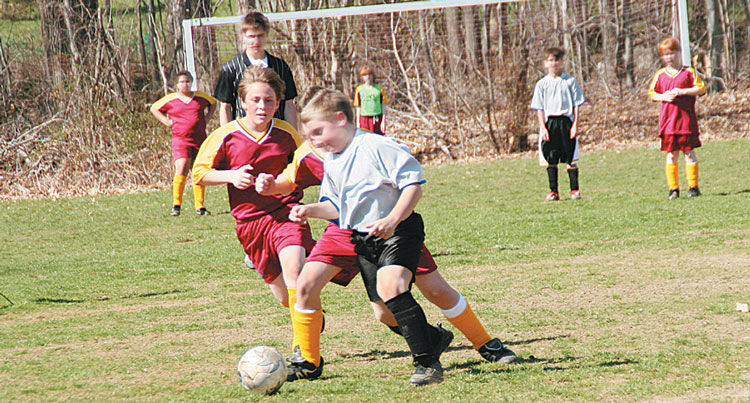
x,y
202,211
426,375
673,194
495,351
446,336
694,192
298,368
175,211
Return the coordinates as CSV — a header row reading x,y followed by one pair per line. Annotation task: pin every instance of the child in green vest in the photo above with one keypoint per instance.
x,y
369,103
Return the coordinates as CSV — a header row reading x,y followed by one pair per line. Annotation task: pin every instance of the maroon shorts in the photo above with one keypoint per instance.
x,y
264,237
372,123
335,248
679,142
185,147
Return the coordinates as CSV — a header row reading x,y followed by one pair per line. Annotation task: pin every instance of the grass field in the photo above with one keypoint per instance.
x,y
620,296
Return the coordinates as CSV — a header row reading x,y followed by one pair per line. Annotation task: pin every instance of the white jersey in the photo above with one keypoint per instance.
x,y
557,96
365,180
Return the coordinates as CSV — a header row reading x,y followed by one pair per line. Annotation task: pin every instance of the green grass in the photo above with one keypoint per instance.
x,y
620,296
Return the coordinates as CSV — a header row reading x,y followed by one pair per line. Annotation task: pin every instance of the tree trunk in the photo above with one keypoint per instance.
x,y
625,47
713,27
606,29
155,73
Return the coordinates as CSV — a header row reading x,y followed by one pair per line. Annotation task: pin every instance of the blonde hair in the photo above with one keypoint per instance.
x,y
323,103
668,44
255,74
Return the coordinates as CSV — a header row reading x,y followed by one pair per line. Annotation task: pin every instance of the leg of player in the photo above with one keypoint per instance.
x,y
553,195
575,193
424,340
178,184
672,172
459,313
307,320
691,173
279,290
292,258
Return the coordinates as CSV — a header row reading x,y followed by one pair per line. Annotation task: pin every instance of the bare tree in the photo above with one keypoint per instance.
x,y
715,44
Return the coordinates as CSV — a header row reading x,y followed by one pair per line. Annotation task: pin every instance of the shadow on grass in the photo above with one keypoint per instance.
x,y
102,298
529,341
733,193
549,364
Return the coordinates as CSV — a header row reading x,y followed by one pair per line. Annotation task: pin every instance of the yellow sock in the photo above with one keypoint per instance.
x,y
198,192
292,300
672,172
462,317
178,185
691,172
307,327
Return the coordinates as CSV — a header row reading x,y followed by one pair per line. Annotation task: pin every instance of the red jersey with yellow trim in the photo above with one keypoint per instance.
x,y
233,145
307,167
188,118
677,117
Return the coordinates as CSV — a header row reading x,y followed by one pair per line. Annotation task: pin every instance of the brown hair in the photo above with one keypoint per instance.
x,y
322,103
366,70
668,44
254,20
555,52
256,74
184,73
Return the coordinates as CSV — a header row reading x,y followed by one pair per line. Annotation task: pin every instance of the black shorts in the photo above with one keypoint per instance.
x,y
403,248
560,147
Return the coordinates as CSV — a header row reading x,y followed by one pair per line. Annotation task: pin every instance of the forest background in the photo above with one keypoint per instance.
x,y
77,76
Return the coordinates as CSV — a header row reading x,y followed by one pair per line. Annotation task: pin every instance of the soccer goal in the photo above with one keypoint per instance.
x,y
453,69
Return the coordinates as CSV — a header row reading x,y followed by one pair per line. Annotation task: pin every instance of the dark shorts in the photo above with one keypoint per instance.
x,y
560,147
263,238
372,123
679,142
403,248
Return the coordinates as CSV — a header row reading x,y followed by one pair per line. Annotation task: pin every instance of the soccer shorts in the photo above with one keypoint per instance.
x,y
184,147
372,123
403,248
679,142
560,148
264,237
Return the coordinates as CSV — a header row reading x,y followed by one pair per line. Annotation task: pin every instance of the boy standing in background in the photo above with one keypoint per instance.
x,y
556,99
369,103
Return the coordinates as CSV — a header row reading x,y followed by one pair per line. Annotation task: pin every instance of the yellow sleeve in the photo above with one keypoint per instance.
x,y
698,81
204,161
383,99
652,86
205,96
284,125
163,100
356,98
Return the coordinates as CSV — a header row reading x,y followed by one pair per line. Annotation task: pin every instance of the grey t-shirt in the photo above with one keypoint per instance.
x,y
365,180
557,96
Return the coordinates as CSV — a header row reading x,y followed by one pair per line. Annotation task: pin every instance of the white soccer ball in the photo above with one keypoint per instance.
x,y
262,369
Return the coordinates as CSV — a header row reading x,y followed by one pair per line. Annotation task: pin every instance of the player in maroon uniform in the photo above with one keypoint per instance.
x,y
676,87
186,113
233,155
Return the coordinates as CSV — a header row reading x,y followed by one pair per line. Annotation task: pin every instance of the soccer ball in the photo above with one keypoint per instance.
x,y
262,369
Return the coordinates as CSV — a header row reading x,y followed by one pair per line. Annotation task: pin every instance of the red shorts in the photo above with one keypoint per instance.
x,y
679,142
372,123
335,248
185,147
264,237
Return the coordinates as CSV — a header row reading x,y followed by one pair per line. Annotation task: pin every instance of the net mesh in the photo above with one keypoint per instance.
x,y
462,72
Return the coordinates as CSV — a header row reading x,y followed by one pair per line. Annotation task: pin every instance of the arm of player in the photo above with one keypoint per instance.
x,y
210,111
325,210
161,117
225,113
240,178
542,127
405,205
290,112
266,185
574,126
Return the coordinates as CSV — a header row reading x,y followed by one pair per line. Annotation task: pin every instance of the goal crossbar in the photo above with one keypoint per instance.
x,y
187,25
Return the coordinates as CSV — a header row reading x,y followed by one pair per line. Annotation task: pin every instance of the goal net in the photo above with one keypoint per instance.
x,y
453,70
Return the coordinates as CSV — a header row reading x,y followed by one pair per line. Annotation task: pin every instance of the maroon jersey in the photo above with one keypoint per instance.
x,y
677,117
188,118
232,146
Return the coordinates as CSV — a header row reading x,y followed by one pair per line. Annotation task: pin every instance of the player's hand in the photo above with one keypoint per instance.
x,y
242,178
545,134
573,131
669,96
170,123
298,214
263,184
383,228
